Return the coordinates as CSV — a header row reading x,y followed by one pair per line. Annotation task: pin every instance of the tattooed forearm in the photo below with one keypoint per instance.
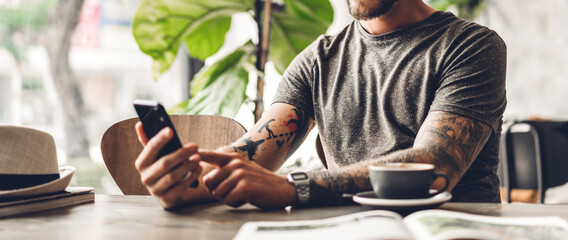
x,y
448,141
274,138
328,187
455,141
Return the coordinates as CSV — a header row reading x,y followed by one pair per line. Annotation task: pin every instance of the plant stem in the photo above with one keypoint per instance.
x,y
262,52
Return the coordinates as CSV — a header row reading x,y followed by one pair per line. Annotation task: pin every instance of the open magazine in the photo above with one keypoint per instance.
x,y
427,224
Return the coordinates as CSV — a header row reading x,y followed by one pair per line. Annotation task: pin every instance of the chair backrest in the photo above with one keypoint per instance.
x,y
534,155
120,146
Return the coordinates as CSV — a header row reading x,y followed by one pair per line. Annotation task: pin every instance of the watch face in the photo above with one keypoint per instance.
x,y
299,176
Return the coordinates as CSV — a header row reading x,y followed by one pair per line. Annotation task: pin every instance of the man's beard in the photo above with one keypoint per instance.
x,y
363,10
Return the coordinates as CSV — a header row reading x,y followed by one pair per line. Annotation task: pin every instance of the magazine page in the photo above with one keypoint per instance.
x,y
376,224
442,224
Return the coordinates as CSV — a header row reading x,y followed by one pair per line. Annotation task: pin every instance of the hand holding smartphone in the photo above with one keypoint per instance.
x,y
154,118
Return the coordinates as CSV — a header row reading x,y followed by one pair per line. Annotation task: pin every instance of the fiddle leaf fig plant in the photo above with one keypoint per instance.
x,y
221,87
160,27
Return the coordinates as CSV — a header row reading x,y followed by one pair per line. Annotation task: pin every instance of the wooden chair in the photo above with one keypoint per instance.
x,y
120,145
533,159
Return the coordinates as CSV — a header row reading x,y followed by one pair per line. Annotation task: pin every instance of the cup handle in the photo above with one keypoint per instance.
x,y
445,185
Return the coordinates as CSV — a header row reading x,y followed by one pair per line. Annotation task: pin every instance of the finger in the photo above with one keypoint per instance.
x,y
169,163
196,170
148,155
228,184
180,173
215,178
171,196
217,158
142,138
190,177
236,197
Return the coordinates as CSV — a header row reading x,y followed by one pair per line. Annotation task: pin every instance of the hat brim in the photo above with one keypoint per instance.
x,y
65,175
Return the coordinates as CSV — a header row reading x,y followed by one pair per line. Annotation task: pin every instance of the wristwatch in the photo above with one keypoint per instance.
x,y
302,183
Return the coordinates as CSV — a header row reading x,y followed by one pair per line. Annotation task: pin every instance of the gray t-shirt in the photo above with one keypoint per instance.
x,y
369,94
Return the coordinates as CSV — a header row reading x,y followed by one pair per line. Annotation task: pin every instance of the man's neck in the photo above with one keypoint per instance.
x,y
403,13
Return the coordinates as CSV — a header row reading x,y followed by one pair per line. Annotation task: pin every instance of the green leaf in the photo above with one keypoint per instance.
x,y
221,87
207,38
209,75
159,27
179,108
293,29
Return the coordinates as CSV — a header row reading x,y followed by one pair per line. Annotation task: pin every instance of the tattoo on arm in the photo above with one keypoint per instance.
x,y
265,126
328,187
249,147
449,141
293,131
452,141
300,127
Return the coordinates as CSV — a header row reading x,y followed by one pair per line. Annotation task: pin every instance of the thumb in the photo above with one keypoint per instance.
x,y
142,138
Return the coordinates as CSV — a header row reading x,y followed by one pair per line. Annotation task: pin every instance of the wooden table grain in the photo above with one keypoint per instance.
x,y
140,217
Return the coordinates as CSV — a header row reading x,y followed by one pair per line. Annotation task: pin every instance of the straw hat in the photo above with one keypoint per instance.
x,y
28,163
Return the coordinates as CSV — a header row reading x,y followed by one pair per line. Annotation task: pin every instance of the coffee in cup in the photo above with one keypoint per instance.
x,y
404,180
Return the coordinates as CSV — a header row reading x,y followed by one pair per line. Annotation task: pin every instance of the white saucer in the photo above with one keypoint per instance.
x,y
370,199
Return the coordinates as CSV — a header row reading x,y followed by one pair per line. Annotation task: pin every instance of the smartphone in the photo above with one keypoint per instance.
x,y
154,118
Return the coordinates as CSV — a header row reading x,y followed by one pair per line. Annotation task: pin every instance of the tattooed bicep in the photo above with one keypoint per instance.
x,y
455,140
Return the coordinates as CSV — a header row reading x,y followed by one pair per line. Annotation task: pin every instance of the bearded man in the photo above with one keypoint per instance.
x,y
402,82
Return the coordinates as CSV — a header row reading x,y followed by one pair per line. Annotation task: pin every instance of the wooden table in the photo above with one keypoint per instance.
x,y
140,217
